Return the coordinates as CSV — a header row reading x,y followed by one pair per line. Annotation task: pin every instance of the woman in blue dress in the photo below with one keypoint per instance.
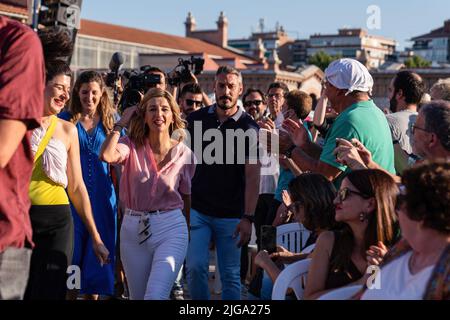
x,y
93,114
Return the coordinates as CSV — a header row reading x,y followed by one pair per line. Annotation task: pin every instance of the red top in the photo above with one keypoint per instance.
x,y
22,75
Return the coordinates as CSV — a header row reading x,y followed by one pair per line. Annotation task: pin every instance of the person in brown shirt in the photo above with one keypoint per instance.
x,y
22,76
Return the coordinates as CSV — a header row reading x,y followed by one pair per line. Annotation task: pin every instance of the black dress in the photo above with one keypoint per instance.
x,y
338,277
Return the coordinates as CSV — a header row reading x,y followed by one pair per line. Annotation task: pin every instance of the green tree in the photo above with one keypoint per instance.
x,y
322,59
417,62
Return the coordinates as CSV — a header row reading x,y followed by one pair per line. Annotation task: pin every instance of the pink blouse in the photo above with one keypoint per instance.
x,y
144,188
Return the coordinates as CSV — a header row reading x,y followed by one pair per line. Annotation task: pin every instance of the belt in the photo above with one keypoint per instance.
x,y
136,213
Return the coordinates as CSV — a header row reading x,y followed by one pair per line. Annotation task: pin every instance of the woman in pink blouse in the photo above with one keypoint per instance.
x,y
155,187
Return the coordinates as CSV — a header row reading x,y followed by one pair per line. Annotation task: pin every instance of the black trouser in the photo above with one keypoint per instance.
x,y
272,211
261,214
52,254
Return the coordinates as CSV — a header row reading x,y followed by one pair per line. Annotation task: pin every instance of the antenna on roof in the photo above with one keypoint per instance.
x,y
261,25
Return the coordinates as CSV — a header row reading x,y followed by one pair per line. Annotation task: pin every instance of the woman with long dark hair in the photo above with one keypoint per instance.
x,y
365,205
56,169
310,198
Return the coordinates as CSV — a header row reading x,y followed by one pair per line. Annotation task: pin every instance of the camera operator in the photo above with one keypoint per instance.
x,y
156,71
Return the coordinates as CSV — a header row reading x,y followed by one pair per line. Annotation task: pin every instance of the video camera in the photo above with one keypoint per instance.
x,y
138,84
182,72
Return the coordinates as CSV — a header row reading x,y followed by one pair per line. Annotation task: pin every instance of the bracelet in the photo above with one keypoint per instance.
x,y
118,125
249,218
288,152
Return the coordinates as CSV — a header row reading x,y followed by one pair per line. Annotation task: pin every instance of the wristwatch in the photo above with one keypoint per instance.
x,y
249,218
117,125
288,152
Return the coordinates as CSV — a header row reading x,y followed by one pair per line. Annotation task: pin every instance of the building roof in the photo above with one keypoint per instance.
x,y
13,9
442,32
157,39
133,35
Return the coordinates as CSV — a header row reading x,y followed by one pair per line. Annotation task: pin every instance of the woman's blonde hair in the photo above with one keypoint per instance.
x,y
104,108
138,130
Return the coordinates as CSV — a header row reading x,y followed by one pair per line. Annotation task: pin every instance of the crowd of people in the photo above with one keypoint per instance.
x,y
137,197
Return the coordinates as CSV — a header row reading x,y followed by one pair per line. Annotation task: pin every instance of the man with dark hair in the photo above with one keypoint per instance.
x,y
224,188
431,132
156,71
405,93
254,103
191,98
275,100
22,76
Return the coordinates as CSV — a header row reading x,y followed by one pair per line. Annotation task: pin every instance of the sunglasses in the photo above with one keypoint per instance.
x,y
190,102
254,102
344,193
414,128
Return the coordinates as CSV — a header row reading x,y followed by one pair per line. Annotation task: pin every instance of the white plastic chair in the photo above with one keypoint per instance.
x,y
292,236
309,249
344,293
291,277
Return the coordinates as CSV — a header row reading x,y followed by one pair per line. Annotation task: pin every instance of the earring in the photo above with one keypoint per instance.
x,y
362,216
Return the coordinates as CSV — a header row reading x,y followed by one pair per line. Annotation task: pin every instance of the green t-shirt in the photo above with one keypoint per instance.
x,y
367,123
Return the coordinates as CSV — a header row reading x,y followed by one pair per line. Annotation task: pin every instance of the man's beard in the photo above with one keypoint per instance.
x,y
393,104
223,106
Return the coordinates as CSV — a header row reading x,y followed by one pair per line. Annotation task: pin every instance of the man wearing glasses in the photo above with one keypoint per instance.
x,y
255,104
431,131
191,98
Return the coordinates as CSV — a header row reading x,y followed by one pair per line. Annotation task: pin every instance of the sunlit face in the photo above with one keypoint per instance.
x,y
349,210
56,94
191,102
275,100
158,115
227,88
254,105
90,94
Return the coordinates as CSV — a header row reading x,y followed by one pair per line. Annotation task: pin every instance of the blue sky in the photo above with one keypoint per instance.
x,y
400,19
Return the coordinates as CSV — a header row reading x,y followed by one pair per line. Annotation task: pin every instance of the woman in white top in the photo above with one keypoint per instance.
x,y
56,171
419,267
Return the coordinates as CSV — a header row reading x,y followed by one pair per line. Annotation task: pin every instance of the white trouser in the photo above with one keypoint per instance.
x,y
151,266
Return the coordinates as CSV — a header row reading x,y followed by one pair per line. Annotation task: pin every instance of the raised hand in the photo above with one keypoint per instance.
x,y
352,154
296,131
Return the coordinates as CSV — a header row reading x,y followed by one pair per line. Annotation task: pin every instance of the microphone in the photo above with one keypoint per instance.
x,y
116,62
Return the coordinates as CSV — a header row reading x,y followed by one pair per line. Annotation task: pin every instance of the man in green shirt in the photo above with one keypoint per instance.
x,y
347,85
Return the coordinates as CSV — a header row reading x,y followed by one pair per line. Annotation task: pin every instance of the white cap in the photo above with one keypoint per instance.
x,y
349,74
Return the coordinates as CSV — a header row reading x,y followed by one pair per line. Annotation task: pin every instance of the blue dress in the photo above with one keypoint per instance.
x,y
96,175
